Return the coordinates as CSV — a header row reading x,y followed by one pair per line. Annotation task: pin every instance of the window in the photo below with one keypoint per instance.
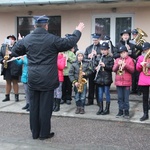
x,y
112,25
25,25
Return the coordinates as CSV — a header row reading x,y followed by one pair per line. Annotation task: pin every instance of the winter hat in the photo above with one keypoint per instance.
x,y
79,52
146,46
122,49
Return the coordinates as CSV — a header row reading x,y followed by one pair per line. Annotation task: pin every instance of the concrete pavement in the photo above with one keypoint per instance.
x,y
69,110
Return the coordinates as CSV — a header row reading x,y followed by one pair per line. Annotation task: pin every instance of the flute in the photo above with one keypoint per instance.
x,y
14,58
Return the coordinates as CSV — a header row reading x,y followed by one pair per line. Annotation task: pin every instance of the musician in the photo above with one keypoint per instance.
x,y
138,48
42,49
23,61
143,64
108,40
91,53
12,73
125,40
135,76
123,67
103,78
76,77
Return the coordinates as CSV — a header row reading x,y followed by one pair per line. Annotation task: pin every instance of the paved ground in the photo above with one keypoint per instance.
x,y
75,132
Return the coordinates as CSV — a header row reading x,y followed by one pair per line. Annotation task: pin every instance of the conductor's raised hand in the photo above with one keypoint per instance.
x,y
80,26
20,37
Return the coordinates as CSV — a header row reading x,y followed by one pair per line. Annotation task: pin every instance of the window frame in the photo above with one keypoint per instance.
x,y
112,17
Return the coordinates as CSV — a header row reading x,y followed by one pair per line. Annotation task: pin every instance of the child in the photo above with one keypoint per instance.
x,y
24,78
78,74
61,60
67,86
144,78
124,67
103,77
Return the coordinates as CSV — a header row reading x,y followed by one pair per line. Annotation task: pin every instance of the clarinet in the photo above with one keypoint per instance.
x,y
99,67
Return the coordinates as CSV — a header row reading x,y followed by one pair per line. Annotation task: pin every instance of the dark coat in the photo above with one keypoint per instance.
x,y
42,49
15,70
74,70
89,50
118,45
104,76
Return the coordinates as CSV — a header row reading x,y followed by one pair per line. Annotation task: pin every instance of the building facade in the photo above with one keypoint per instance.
x,y
108,17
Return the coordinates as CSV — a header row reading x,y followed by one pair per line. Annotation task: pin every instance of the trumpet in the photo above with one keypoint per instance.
x,y
120,70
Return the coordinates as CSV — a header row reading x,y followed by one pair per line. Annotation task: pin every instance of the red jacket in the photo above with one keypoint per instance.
x,y
126,78
61,61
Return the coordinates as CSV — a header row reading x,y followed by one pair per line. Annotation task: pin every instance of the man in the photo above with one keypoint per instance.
x,y
12,72
42,49
91,53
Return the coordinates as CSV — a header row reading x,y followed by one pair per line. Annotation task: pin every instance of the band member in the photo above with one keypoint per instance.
x,y
108,40
103,77
143,66
42,49
125,40
78,73
12,72
123,67
23,61
135,76
91,53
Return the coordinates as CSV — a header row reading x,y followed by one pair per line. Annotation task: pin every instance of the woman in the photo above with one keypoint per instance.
x,y
12,72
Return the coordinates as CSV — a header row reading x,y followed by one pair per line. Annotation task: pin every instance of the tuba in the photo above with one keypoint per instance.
x,y
81,80
6,57
146,59
139,40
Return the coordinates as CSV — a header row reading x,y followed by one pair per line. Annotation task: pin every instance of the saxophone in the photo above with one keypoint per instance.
x,y
81,80
146,59
6,57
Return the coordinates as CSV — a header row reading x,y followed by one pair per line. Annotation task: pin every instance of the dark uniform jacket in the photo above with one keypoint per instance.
x,y
104,76
42,49
74,70
89,50
118,45
15,70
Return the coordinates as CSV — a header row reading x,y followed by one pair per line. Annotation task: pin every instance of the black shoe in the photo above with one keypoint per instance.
x,y
68,102
7,98
139,93
126,114
62,101
144,117
28,109
26,106
49,136
120,113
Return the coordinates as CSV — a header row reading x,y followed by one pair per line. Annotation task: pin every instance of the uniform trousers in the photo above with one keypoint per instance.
x,y
92,89
41,106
